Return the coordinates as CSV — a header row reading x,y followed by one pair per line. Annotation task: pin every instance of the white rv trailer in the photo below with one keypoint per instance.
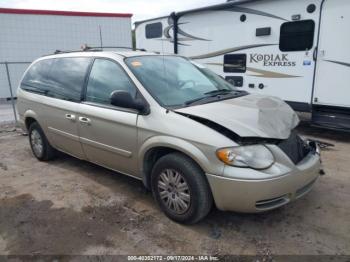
x,y
26,35
297,50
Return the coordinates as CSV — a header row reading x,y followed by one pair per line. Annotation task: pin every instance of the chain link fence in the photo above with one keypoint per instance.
x,y
10,75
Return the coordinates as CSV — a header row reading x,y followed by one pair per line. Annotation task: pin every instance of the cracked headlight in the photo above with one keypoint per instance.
x,y
253,156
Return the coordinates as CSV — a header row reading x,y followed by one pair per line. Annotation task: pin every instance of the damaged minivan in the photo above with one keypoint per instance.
x,y
192,138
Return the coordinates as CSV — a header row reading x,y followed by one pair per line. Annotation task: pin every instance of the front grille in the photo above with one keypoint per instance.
x,y
295,148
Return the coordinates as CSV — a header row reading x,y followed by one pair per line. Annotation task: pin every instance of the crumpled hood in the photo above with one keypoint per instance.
x,y
249,116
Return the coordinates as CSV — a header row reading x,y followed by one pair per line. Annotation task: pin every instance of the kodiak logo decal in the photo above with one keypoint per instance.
x,y
272,59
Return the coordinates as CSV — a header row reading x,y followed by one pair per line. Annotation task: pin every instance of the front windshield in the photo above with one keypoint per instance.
x,y
175,81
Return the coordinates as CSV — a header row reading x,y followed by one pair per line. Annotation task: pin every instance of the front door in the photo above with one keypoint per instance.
x,y
108,133
332,80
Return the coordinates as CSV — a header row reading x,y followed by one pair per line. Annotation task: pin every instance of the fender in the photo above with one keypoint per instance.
x,y
208,165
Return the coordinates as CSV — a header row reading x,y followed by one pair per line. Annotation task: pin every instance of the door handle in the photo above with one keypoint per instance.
x,y
85,120
70,117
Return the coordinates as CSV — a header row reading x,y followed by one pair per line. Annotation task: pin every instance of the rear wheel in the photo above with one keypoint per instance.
x,y
181,189
41,147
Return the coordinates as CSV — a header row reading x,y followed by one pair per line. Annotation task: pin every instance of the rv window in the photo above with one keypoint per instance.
x,y
297,36
235,63
154,30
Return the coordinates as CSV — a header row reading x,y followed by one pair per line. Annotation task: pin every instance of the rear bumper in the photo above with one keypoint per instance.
x,y
253,196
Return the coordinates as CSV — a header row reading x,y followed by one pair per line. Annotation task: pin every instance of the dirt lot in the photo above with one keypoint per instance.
x,y
70,206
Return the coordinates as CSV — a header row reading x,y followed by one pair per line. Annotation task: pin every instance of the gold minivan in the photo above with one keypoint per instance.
x,y
191,137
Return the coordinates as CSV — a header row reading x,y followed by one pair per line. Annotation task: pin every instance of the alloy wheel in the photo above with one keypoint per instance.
x,y
174,191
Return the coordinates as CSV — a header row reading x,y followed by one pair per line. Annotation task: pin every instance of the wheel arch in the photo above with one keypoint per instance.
x,y
156,147
30,117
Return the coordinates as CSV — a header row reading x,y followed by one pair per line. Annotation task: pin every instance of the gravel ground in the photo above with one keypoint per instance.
x,y
69,206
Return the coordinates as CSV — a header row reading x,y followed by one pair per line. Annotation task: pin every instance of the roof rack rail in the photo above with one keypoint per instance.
x,y
72,51
86,48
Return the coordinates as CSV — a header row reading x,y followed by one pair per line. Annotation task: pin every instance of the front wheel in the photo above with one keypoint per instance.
x,y
180,188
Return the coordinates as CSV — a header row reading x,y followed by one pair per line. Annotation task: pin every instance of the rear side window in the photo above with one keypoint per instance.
x,y
154,30
35,79
297,36
106,77
61,78
235,63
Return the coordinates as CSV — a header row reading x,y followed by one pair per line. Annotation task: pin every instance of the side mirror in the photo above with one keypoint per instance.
x,y
125,100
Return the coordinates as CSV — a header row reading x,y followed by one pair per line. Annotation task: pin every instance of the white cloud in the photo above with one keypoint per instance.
x,y
142,9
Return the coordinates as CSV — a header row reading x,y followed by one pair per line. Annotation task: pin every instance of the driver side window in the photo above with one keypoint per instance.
x,y
106,77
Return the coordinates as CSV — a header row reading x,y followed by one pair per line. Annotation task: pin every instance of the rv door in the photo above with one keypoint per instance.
x,y
332,80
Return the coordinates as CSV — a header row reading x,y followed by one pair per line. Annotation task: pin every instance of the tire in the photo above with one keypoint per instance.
x,y
175,202
37,140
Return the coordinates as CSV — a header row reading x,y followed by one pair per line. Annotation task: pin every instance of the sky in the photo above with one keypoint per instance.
x,y
142,9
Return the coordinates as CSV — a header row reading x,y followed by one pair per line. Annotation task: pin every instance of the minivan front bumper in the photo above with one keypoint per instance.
x,y
253,196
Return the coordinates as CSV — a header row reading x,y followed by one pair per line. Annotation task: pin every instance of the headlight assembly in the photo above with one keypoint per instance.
x,y
253,156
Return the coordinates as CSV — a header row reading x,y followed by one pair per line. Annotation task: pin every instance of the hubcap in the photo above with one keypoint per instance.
x,y
174,191
37,143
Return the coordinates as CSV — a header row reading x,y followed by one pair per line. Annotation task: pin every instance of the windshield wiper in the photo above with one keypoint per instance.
x,y
210,94
219,92
190,102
